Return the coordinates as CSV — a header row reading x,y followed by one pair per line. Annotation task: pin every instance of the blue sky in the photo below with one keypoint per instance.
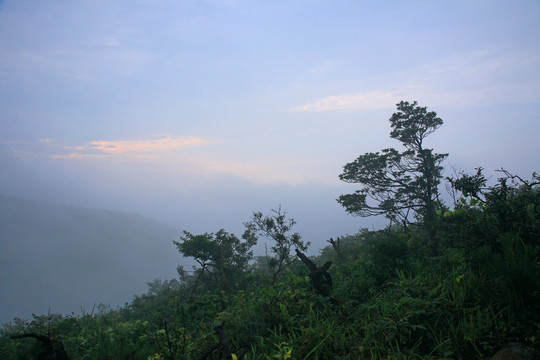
x,y
199,112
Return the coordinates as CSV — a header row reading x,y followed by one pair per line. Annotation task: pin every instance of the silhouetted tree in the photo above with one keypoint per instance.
x,y
276,227
222,256
399,185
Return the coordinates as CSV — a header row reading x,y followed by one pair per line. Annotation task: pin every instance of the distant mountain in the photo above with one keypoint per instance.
x,y
66,259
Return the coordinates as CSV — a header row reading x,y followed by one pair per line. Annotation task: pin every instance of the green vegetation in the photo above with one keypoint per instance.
x,y
457,282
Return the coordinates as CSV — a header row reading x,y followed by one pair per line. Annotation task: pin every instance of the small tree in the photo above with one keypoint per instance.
x,y
399,185
276,227
223,257
472,186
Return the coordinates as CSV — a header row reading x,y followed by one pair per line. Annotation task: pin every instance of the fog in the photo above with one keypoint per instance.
x,y
192,115
66,260
67,245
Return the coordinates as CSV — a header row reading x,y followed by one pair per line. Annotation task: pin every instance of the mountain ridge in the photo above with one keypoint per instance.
x,y
62,258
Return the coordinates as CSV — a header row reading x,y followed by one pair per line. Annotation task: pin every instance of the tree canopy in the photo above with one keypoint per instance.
x,y
222,256
277,228
399,185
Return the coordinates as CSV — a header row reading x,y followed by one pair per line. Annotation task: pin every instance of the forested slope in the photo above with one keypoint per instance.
x,y
441,281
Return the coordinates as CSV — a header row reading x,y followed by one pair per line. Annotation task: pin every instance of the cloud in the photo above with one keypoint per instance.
x,y
76,155
144,146
176,159
141,149
211,161
352,102
470,79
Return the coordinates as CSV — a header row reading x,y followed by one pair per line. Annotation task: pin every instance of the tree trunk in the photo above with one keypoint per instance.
x,y
320,279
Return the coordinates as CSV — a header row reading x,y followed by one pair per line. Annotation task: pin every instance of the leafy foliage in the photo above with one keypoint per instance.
x,y
223,257
392,297
276,228
392,300
399,184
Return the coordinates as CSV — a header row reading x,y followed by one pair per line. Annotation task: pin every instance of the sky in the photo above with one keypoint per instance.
x,y
198,112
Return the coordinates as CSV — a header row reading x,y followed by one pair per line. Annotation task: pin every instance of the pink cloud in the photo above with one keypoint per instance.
x,y
138,146
77,155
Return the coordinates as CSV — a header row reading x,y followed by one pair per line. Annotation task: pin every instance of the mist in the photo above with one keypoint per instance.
x,y
124,123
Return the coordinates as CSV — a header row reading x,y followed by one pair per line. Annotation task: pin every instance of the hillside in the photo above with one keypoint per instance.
x,y
63,258
378,294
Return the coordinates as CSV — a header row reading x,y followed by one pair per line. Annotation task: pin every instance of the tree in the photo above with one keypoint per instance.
x,y
321,280
512,205
222,257
276,227
399,185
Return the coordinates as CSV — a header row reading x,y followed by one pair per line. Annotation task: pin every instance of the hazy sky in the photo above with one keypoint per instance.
x,y
199,112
